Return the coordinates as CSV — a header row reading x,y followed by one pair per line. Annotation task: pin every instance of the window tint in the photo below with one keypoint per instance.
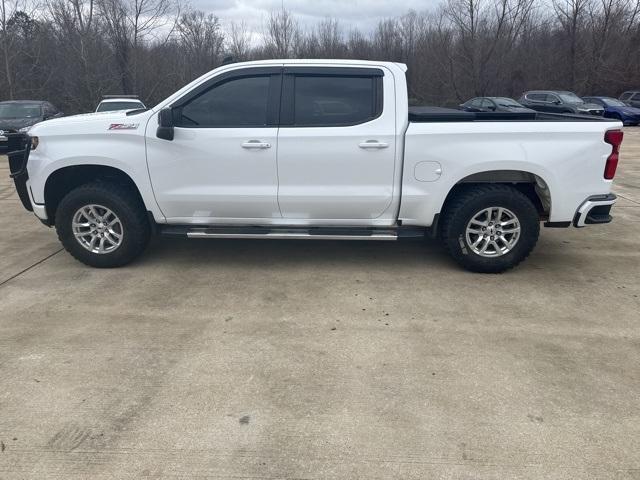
x,y
476,102
486,103
329,101
239,102
625,96
538,97
636,96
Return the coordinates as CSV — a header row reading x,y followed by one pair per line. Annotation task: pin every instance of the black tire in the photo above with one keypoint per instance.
x,y
466,204
122,202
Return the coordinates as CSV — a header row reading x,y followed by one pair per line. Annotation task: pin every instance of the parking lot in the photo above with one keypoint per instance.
x,y
322,360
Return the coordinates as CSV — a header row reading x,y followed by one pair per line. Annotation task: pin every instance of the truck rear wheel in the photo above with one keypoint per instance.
x,y
103,225
490,228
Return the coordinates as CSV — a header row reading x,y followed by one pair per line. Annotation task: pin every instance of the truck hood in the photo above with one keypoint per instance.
x,y
97,122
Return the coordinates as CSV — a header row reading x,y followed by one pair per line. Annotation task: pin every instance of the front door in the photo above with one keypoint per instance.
x,y
336,145
221,164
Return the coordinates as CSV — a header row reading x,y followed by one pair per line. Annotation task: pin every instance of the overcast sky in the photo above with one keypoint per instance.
x,y
350,13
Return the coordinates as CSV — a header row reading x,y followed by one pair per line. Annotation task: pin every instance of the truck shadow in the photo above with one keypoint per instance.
x,y
424,252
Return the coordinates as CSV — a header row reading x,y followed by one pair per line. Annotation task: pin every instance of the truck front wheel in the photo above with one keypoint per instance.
x,y
103,225
490,228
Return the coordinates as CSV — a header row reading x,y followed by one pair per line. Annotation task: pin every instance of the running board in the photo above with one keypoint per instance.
x,y
292,236
289,233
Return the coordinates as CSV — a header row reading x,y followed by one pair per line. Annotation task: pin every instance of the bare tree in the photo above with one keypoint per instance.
x,y
282,31
239,41
8,40
571,15
202,39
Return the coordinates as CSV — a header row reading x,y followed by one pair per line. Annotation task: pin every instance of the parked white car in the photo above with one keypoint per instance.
x,y
113,104
315,149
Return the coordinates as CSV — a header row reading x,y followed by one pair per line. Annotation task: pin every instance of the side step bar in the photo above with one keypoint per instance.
x,y
293,236
289,233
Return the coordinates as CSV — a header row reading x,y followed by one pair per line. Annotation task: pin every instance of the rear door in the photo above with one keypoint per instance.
x,y
336,144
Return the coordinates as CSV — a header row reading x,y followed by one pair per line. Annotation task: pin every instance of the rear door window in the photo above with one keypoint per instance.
x,y
335,100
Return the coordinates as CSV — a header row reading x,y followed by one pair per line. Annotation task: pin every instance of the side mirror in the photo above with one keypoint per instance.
x,y
557,102
165,124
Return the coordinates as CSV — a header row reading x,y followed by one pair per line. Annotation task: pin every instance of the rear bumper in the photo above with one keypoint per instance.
x,y
594,210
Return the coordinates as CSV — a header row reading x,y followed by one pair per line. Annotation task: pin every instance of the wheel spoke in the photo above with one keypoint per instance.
x,y
484,247
489,215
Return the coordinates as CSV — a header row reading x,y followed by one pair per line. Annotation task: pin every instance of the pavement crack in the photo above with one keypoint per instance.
x,y
30,267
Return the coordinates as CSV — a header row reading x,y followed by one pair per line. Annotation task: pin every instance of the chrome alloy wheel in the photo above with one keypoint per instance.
x,y
97,229
493,232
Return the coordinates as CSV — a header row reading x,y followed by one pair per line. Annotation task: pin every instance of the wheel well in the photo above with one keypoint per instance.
x,y
527,183
64,180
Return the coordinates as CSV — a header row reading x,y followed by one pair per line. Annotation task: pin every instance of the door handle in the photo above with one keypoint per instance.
x,y
256,144
373,144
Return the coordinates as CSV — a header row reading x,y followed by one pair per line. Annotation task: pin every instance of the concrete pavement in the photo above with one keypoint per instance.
x,y
322,360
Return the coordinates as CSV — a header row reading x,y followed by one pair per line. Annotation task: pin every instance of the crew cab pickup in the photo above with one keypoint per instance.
x,y
314,149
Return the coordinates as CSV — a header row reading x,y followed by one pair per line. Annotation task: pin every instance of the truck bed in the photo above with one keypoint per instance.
x,y
439,114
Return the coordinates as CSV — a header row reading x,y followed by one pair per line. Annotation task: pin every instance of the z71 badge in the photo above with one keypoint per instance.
x,y
123,126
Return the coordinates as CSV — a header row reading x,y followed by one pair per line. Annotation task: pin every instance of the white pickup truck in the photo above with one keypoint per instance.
x,y
314,149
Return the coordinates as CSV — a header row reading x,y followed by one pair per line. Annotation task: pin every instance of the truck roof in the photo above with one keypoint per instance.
x,y
316,61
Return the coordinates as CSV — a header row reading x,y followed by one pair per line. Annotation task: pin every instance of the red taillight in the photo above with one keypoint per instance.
x,y
613,138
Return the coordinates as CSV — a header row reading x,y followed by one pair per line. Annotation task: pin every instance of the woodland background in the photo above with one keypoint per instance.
x,y
71,52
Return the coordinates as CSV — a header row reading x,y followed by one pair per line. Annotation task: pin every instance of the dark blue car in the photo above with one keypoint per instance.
x,y
614,108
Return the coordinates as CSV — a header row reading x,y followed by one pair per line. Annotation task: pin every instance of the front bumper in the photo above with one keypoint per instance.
x,y
19,146
595,210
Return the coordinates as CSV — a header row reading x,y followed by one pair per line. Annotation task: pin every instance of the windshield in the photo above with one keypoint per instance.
x,y
568,97
507,102
20,110
113,106
613,102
